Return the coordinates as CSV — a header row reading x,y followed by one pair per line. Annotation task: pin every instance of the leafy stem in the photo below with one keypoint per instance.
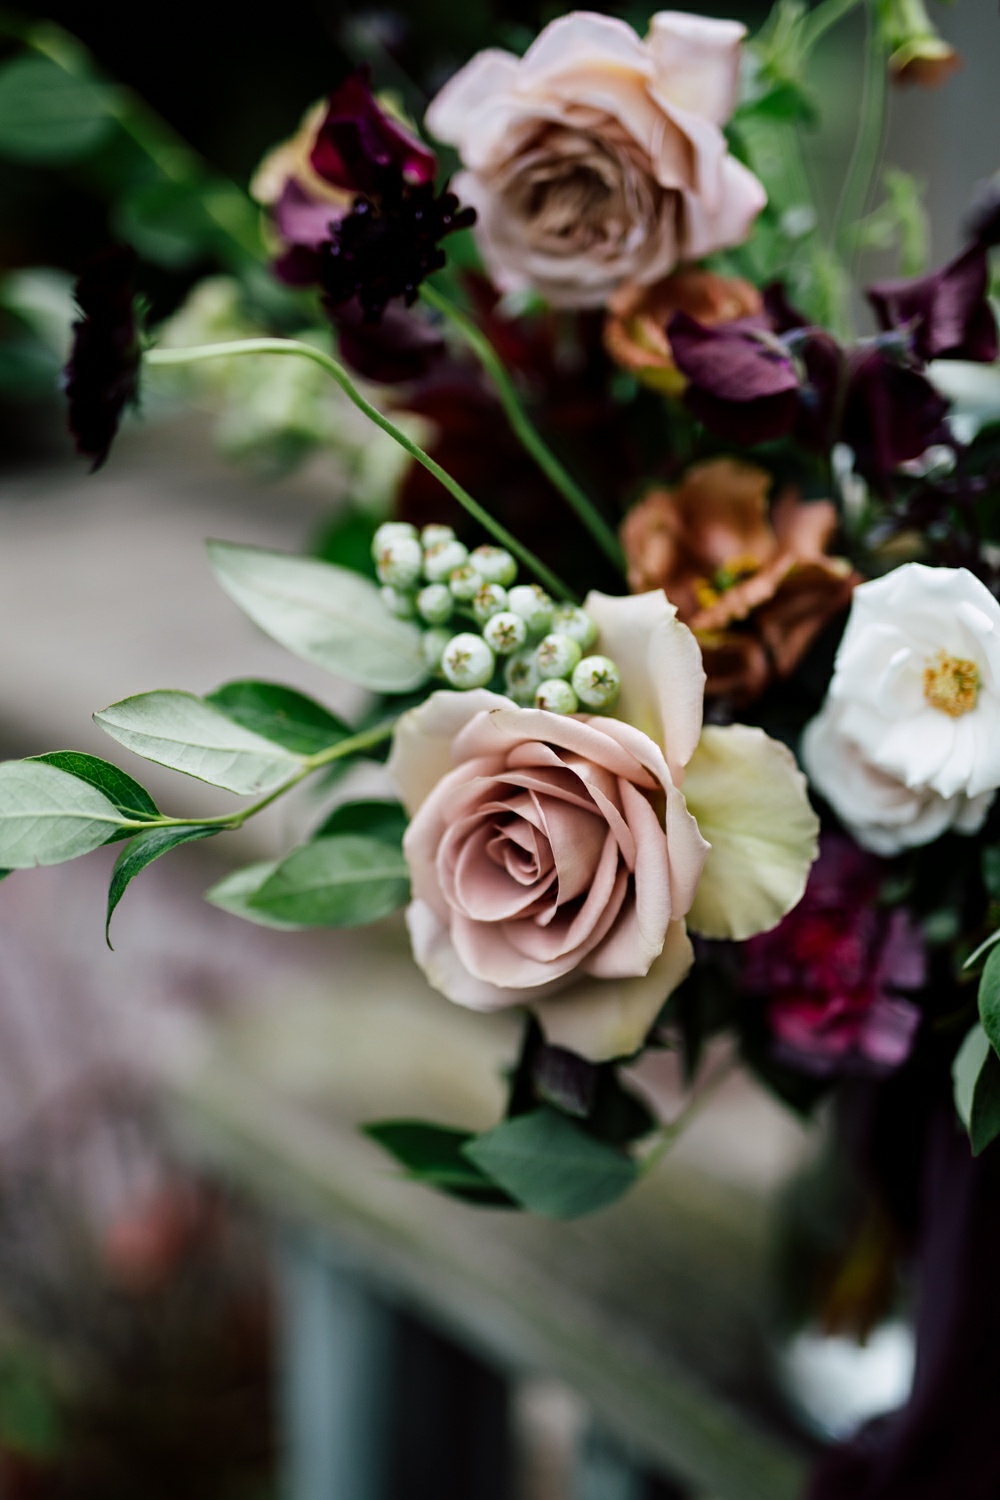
x,y
668,1133
524,429
202,352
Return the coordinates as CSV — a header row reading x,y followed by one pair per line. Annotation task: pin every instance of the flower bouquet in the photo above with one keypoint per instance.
x,y
682,635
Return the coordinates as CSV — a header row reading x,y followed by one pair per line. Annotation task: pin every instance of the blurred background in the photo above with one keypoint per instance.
x,y
136,1323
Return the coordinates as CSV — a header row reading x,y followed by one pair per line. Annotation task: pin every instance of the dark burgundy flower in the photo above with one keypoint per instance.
x,y
102,375
361,149
982,220
386,246
742,381
891,414
400,347
836,970
945,315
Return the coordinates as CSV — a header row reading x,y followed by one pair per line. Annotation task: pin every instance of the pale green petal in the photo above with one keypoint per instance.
x,y
604,1018
750,800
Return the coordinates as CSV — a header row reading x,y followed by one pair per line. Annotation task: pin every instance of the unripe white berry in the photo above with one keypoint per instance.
x,y
505,632
495,564
432,646
556,696
443,558
398,602
399,562
557,655
597,682
571,620
433,536
490,600
521,678
467,661
465,582
435,603
391,531
534,606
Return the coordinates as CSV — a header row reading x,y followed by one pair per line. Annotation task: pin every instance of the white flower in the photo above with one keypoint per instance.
x,y
908,743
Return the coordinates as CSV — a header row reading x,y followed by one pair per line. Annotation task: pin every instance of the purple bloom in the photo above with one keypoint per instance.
x,y
742,382
837,969
890,413
945,315
361,149
101,377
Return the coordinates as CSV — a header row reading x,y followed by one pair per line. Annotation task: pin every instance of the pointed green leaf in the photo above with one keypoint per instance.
x,y
965,1071
989,998
324,614
50,116
433,1154
234,892
377,820
141,851
187,734
280,714
344,881
131,800
551,1166
47,816
984,1120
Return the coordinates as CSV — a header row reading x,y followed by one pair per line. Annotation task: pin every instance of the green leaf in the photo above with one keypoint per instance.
x,y
47,816
167,223
344,881
324,614
131,800
187,734
48,116
965,1071
991,871
551,1166
234,892
379,820
280,714
433,1154
989,998
984,1119
140,852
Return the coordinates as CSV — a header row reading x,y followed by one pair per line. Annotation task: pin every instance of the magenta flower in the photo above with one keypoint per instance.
x,y
836,971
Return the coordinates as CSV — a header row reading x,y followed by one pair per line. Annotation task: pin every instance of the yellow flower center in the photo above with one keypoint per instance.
x,y
709,591
951,684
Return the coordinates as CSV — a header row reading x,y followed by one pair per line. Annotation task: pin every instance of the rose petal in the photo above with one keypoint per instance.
x,y
697,62
750,800
422,743
601,1019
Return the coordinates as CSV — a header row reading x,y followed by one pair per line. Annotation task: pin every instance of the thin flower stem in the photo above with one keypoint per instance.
x,y
822,19
863,166
523,428
353,745
202,352
668,1133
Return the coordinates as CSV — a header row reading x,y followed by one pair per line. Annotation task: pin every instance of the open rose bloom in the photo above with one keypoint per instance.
x,y
598,159
557,861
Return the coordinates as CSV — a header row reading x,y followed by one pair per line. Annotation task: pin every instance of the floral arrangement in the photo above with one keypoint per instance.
x,y
682,633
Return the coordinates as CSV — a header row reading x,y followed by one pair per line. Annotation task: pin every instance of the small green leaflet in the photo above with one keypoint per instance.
x,y
131,800
280,714
976,1080
433,1154
47,816
344,881
234,893
965,1071
379,820
989,997
187,734
140,852
49,116
551,1166
324,614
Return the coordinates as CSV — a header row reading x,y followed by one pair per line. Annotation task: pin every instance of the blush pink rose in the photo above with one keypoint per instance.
x,y
598,159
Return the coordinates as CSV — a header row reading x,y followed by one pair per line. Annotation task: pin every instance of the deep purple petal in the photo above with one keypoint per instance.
x,y
734,362
101,377
301,219
400,347
358,146
947,314
745,422
891,414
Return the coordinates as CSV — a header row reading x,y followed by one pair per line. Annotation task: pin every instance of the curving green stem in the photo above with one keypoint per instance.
x,y
326,362
353,745
820,20
523,428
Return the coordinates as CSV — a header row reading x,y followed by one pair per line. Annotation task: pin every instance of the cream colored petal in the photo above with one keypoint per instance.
x,y
663,680
421,746
582,40
604,1018
715,226
697,62
453,112
750,800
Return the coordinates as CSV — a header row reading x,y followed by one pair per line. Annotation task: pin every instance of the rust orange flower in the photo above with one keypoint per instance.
x,y
753,582
635,330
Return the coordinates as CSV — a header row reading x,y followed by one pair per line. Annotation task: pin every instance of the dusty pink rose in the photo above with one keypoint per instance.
x,y
554,858
598,158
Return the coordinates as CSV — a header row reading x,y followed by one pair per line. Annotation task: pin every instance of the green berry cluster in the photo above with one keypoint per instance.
x,y
431,577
